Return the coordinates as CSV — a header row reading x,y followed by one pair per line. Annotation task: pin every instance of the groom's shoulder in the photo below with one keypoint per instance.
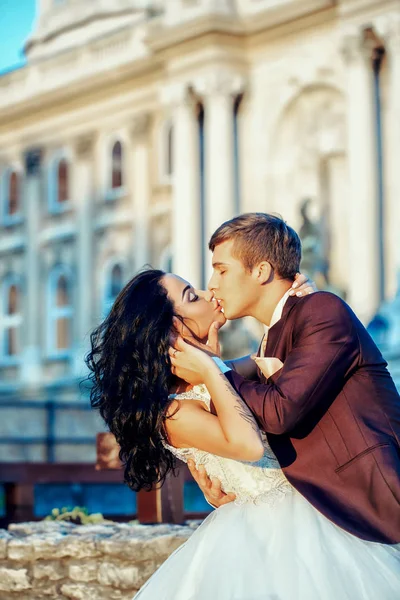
x,y
323,303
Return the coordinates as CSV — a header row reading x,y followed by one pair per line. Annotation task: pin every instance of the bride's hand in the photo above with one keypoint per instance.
x,y
302,286
188,362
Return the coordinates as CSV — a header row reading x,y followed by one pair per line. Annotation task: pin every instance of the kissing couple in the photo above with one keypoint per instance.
x,y
298,448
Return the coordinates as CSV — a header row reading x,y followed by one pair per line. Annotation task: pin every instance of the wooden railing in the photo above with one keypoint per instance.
x,y
164,505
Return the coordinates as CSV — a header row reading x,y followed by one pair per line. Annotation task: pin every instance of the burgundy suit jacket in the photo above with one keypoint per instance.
x,y
332,415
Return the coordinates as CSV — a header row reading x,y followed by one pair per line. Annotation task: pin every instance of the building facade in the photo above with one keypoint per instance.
x,y
137,127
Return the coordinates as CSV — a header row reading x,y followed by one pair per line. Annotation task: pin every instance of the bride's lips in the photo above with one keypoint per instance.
x,y
219,306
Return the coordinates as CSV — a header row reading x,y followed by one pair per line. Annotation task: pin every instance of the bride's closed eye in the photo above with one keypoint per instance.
x,y
192,296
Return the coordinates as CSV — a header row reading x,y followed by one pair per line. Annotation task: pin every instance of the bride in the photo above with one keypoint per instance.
x,y
270,543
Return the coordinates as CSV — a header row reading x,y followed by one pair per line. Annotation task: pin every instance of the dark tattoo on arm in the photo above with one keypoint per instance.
x,y
241,407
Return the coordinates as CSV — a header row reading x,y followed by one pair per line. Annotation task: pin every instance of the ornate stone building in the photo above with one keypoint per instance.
x,y
136,127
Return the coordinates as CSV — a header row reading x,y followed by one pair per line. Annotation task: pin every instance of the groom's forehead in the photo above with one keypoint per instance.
x,y
223,256
223,252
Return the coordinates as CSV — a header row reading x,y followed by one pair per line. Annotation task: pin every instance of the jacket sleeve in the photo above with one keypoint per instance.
x,y
325,350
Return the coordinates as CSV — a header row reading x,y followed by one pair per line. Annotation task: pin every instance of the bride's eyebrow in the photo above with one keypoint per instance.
x,y
188,287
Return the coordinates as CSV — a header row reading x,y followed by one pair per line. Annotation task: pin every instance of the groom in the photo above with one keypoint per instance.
x,y
331,411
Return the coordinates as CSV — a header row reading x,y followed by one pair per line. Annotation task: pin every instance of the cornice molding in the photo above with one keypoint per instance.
x,y
163,37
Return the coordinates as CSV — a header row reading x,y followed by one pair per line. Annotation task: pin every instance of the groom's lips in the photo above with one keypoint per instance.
x,y
219,305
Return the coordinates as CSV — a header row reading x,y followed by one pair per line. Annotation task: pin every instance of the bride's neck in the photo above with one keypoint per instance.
x,y
179,385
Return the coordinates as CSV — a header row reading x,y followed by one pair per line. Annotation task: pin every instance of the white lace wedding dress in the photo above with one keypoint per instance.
x,y
270,544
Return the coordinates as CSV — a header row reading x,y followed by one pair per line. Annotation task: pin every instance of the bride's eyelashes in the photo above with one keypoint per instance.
x,y
193,297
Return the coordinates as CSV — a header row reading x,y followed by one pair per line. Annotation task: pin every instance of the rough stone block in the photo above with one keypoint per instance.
x,y
5,537
86,571
14,580
119,576
20,550
53,570
163,546
44,590
78,547
47,547
76,591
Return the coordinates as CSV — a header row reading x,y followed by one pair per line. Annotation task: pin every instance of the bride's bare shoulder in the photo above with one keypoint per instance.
x,y
182,416
182,406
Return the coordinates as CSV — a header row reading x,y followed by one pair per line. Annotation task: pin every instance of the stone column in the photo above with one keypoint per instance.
x,y
33,315
219,95
141,190
83,196
363,213
186,213
392,45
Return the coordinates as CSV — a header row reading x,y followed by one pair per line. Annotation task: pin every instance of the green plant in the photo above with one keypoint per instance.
x,y
78,515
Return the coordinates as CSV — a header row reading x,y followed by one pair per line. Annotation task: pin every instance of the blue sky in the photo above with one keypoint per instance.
x,y
16,19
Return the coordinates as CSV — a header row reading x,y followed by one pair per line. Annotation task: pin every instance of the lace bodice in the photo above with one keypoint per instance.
x,y
258,482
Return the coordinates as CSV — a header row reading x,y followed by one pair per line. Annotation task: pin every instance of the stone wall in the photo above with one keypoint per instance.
x,y
61,561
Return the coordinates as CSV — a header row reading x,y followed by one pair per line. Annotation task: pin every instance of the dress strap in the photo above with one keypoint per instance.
x,y
198,392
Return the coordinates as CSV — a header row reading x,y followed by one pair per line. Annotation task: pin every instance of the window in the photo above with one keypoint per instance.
x,y
59,184
10,320
113,284
116,166
60,312
11,197
62,181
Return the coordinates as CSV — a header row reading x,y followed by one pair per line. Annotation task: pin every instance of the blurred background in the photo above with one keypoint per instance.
x,y
129,130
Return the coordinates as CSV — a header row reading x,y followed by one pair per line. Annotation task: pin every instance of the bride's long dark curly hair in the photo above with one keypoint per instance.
x,y
131,377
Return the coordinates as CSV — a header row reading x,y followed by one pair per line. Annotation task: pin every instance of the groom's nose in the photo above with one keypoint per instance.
x,y
211,284
205,294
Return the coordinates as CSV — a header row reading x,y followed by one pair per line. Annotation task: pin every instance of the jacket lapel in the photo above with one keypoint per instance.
x,y
276,330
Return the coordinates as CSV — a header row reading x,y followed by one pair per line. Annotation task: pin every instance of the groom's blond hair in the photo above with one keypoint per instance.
x,y
261,237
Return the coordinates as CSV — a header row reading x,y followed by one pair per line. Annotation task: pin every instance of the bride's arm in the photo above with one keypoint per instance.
x,y
232,432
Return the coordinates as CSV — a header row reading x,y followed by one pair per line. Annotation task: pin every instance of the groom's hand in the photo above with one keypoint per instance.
x,y
210,488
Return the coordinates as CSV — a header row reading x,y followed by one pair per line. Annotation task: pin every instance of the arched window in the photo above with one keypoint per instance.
x,y
13,205
59,183
10,319
60,311
11,196
116,166
63,181
113,284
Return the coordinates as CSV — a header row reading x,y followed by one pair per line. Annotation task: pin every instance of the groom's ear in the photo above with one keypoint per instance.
x,y
264,272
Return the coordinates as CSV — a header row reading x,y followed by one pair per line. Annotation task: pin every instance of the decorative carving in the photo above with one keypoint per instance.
x,y
356,46
84,145
320,125
177,94
220,82
391,35
140,125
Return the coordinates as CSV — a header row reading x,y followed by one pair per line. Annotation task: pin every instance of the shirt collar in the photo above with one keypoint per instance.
x,y
277,314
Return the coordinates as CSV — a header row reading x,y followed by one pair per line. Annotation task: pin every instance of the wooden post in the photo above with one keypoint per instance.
x,y
19,502
161,505
164,504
